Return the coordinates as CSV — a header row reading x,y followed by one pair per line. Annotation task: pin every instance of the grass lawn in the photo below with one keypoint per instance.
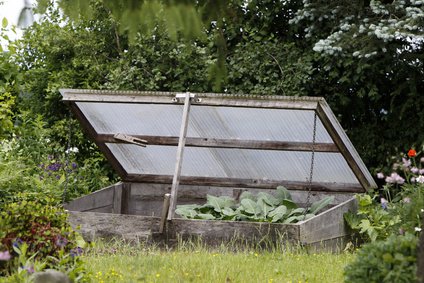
x,y
121,263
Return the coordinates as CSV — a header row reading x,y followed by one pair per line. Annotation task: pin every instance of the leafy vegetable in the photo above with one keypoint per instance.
x,y
262,207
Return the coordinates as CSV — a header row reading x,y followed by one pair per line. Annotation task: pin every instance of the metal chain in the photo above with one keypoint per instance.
x,y
67,154
311,171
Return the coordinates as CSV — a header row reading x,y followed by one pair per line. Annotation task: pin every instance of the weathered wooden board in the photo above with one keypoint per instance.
x,y
228,143
214,99
215,232
97,200
244,183
328,224
147,199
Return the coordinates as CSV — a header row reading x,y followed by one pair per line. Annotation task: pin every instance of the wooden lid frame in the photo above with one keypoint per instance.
x,y
341,142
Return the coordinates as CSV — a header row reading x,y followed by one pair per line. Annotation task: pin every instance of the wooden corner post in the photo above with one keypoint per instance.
x,y
180,152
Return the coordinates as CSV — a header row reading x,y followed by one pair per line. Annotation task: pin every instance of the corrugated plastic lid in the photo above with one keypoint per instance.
x,y
231,140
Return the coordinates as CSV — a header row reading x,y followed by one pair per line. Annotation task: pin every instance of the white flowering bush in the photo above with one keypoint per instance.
x,y
367,34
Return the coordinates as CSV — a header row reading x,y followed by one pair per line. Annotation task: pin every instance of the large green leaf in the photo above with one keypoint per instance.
x,y
219,203
289,204
205,216
317,206
263,208
297,211
278,213
187,211
269,199
249,206
247,195
283,193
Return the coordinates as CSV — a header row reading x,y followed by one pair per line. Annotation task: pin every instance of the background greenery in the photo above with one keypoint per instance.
x,y
364,57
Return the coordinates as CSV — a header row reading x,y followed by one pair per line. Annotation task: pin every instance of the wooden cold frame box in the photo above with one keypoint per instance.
x,y
189,145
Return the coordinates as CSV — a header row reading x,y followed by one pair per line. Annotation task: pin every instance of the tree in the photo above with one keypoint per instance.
x,y
271,47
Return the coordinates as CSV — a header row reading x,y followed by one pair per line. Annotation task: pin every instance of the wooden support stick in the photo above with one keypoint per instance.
x,y
165,209
180,152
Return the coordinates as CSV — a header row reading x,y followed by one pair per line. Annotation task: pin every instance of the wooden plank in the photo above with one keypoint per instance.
x,y
94,225
126,198
215,232
180,154
92,201
227,143
327,225
117,198
346,148
165,209
203,99
246,183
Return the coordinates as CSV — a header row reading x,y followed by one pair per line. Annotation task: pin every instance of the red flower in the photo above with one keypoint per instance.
x,y
412,153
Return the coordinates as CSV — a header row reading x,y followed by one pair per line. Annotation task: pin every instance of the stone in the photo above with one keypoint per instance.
x,y
50,276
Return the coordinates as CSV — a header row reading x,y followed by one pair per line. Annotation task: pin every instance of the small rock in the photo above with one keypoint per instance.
x,y
50,276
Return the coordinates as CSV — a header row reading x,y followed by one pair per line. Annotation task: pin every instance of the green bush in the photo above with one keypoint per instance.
x,y
37,236
393,260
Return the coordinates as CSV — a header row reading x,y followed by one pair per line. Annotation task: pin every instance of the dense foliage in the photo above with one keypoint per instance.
x,y
365,58
35,235
271,47
392,222
262,207
393,260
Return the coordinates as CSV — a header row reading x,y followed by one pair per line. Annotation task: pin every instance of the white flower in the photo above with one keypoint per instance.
x,y
380,175
420,179
72,149
418,229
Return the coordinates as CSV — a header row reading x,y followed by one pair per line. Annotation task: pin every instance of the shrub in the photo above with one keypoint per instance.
x,y
393,260
36,235
398,208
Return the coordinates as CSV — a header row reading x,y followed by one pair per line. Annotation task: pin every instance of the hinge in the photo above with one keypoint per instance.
x,y
130,139
181,95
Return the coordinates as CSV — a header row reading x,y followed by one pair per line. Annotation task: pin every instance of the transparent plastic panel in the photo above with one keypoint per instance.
x,y
234,163
204,121
133,119
255,124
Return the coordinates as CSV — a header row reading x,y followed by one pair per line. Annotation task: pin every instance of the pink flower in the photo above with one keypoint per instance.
x,y
380,175
394,178
422,159
415,170
5,256
421,171
413,179
407,200
406,163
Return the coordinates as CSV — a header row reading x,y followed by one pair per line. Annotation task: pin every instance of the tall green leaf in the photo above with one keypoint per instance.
x,y
249,206
187,211
269,199
283,193
219,203
319,205
278,213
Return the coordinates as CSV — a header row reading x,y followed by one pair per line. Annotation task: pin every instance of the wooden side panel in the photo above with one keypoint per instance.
x,y
97,200
327,225
107,225
147,199
215,232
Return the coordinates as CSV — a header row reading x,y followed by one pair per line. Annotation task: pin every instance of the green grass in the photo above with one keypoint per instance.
x,y
122,263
